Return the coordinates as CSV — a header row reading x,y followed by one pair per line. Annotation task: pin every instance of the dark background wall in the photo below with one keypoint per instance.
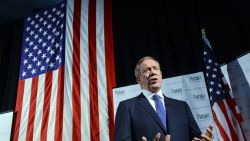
x,y
168,30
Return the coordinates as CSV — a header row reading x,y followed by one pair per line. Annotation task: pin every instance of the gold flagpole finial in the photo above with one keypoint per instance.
x,y
203,31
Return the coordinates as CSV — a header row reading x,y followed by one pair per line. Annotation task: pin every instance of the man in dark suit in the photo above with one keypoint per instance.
x,y
151,115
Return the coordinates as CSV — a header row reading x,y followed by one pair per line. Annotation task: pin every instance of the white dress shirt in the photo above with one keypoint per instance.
x,y
149,95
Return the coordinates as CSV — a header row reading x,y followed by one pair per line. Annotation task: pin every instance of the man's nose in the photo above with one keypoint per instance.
x,y
152,73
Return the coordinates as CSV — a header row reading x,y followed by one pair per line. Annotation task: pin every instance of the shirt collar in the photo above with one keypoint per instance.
x,y
149,94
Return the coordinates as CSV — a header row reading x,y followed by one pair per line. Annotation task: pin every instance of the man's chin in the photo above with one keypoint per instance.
x,y
154,87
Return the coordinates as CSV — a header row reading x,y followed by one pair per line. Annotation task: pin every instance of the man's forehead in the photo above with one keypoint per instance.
x,y
149,62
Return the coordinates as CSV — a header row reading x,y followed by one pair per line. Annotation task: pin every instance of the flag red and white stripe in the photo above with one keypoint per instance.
x,y
74,102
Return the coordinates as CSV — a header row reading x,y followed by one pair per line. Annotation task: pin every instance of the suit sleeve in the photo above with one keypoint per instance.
x,y
122,123
193,127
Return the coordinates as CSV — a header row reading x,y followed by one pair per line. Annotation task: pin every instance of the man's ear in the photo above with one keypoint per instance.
x,y
138,80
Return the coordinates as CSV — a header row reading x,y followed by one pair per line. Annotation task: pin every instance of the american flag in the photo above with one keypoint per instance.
x,y
224,108
67,74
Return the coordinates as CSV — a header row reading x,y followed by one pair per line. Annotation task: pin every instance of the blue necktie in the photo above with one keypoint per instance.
x,y
160,109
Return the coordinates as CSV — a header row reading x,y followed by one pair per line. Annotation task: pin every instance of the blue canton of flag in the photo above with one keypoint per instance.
x,y
43,42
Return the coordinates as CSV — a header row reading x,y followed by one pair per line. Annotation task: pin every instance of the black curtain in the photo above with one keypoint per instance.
x,y
10,54
167,30
170,30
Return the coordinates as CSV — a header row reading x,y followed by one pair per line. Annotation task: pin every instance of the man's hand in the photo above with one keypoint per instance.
x,y
207,136
157,137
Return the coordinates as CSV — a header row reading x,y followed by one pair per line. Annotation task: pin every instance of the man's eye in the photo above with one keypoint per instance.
x,y
156,68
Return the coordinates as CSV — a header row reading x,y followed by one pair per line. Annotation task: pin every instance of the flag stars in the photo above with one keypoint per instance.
x,y
54,30
37,16
211,83
205,53
54,9
33,71
36,36
41,19
28,28
209,61
26,50
58,59
214,76
210,90
51,65
47,60
44,44
45,12
207,74
27,39
30,54
44,33
25,61
31,43
52,52
58,13
40,40
23,73
31,32
29,66
42,68
57,45
32,22
49,37
40,30
219,85
52,41
217,92
208,67
36,26
34,59
215,69
48,49
28,19
44,23
49,26
39,52
62,15
49,16
53,20
43,56
38,63
57,33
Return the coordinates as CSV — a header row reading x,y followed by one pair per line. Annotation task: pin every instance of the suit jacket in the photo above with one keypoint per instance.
x,y
135,118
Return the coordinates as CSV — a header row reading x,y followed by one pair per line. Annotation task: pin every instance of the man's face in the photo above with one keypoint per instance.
x,y
150,77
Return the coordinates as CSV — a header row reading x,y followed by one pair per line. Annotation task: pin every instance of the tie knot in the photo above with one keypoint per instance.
x,y
156,97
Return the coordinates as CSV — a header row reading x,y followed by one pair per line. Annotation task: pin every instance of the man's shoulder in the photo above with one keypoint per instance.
x,y
174,101
133,99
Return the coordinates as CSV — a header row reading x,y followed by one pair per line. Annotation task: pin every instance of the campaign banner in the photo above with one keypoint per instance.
x,y
5,126
237,74
190,88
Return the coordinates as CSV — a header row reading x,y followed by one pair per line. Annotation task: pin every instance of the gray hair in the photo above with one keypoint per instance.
x,y
137,66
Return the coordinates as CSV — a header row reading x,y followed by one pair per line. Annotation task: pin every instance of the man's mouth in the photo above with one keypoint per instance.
x,y
152,80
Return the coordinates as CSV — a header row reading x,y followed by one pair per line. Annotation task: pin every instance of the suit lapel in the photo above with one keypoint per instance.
x,y
142,100
170,117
